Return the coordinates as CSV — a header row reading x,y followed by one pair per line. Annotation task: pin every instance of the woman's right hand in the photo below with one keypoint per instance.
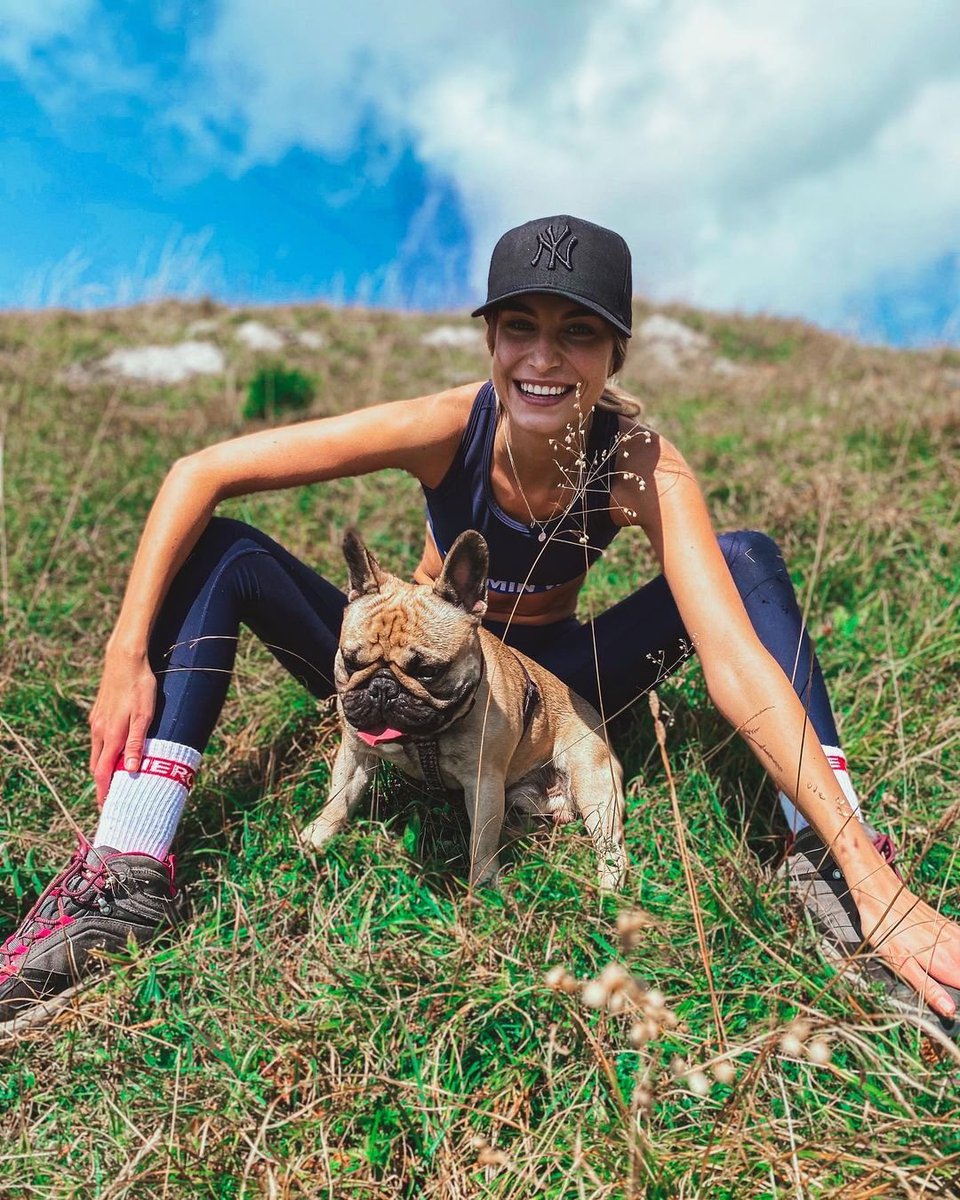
x,y
120,716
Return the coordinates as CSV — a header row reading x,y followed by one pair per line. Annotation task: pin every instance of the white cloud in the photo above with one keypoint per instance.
x,y
63,51
754,155
26,26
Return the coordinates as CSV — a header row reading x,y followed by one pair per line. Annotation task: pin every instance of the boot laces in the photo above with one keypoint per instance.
x,y
886,848
82,883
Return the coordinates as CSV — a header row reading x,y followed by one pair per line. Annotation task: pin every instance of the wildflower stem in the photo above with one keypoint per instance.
x,y
661,734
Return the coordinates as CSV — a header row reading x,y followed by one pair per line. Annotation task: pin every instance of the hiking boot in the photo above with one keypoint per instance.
x,y
97,903
820,884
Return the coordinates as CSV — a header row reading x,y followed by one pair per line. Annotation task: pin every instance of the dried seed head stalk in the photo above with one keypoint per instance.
x,y
661,734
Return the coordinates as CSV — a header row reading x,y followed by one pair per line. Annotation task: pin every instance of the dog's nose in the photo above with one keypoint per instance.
x,y
383,688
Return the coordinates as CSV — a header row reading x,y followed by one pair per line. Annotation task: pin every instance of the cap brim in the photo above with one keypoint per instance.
x,y
545,291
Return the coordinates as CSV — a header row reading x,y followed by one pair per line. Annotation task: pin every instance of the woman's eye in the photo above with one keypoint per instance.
x,y
581,331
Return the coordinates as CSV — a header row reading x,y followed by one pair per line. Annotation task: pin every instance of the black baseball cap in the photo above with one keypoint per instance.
x,y
566,256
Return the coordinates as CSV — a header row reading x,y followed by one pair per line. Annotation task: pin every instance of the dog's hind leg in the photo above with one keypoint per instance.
x,y
352,771
544,794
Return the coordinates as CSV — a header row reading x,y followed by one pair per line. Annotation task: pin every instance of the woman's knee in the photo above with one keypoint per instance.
x,y
223,535
220,552
751,554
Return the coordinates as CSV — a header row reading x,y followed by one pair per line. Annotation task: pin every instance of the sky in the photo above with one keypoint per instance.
x,y
801,159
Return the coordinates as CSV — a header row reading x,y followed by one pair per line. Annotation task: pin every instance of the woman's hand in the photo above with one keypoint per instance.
x,y
120,716
914,940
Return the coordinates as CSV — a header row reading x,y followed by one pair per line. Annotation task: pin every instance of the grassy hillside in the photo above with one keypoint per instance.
x,y
356,1025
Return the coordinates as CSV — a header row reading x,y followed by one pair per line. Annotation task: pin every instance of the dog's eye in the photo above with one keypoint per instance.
x,y
419,669
351,663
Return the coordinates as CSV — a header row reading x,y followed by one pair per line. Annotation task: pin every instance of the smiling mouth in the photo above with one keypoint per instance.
x,y
549,391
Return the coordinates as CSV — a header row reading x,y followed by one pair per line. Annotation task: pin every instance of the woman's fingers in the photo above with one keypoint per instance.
x,y
96,745
133,749
103,752
923,948
939,998
119,722
933,994
123,747
104,765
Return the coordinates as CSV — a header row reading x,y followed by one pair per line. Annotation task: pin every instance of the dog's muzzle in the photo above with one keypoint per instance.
x,y
383,700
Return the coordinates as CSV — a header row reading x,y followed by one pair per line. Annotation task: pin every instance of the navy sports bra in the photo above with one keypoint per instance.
x,y
521,560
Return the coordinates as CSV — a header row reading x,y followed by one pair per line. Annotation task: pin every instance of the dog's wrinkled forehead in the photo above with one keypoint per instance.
x,y
398,619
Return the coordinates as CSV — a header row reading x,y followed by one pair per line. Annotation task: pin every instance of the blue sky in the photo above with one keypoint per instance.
x,y
800,159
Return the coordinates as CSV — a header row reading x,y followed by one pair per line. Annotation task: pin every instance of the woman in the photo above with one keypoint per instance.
x,y
549,461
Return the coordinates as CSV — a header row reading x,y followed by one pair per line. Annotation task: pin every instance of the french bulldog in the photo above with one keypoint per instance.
x,y
423,685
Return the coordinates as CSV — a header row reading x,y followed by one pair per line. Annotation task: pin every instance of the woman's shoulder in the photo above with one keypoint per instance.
x,y
633,430
646,463
641,443
430,429
637,449
446,409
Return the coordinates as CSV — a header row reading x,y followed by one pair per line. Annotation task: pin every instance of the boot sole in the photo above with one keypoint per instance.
x,y
43,1011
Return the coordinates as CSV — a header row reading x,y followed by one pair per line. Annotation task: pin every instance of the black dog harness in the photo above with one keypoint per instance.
x,y
428,749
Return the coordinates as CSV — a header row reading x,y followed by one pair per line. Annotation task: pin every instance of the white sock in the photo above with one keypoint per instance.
x,y
142,809
835,757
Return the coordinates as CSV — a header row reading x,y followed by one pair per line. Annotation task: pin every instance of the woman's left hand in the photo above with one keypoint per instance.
x,y
915,941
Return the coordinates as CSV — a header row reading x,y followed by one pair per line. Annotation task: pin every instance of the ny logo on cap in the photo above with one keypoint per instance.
x,y
552,243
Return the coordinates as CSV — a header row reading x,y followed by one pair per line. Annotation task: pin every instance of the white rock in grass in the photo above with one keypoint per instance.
x,y
165,364
658,329
723,366
724,1071
203,327
670,344
663,355
257,336
458,337
311,339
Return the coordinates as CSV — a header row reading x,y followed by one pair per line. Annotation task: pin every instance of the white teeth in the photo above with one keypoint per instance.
x,y
539,389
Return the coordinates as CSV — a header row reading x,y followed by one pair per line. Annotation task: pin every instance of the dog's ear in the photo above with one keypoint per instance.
x,y
463,580
366,575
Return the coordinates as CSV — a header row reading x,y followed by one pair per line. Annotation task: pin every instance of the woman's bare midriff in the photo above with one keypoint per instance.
x,y
534,608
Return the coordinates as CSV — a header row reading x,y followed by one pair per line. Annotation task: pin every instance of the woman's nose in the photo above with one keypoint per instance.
x,y
544,353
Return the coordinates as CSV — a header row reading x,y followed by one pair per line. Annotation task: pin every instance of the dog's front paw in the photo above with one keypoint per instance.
x,y
316,835
486,875
613,869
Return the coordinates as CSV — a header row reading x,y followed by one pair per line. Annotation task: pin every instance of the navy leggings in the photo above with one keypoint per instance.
x,y
236,576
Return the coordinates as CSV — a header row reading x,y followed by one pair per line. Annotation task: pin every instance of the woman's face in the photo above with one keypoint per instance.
x,y
543,347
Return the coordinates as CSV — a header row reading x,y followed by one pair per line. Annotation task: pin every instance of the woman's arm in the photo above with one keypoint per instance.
x,y
419,436
753,694
414,435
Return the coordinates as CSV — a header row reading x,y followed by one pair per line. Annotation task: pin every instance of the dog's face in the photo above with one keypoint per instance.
x,y
409,661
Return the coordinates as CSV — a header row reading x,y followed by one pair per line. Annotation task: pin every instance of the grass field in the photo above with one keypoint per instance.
x,y
358,1025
